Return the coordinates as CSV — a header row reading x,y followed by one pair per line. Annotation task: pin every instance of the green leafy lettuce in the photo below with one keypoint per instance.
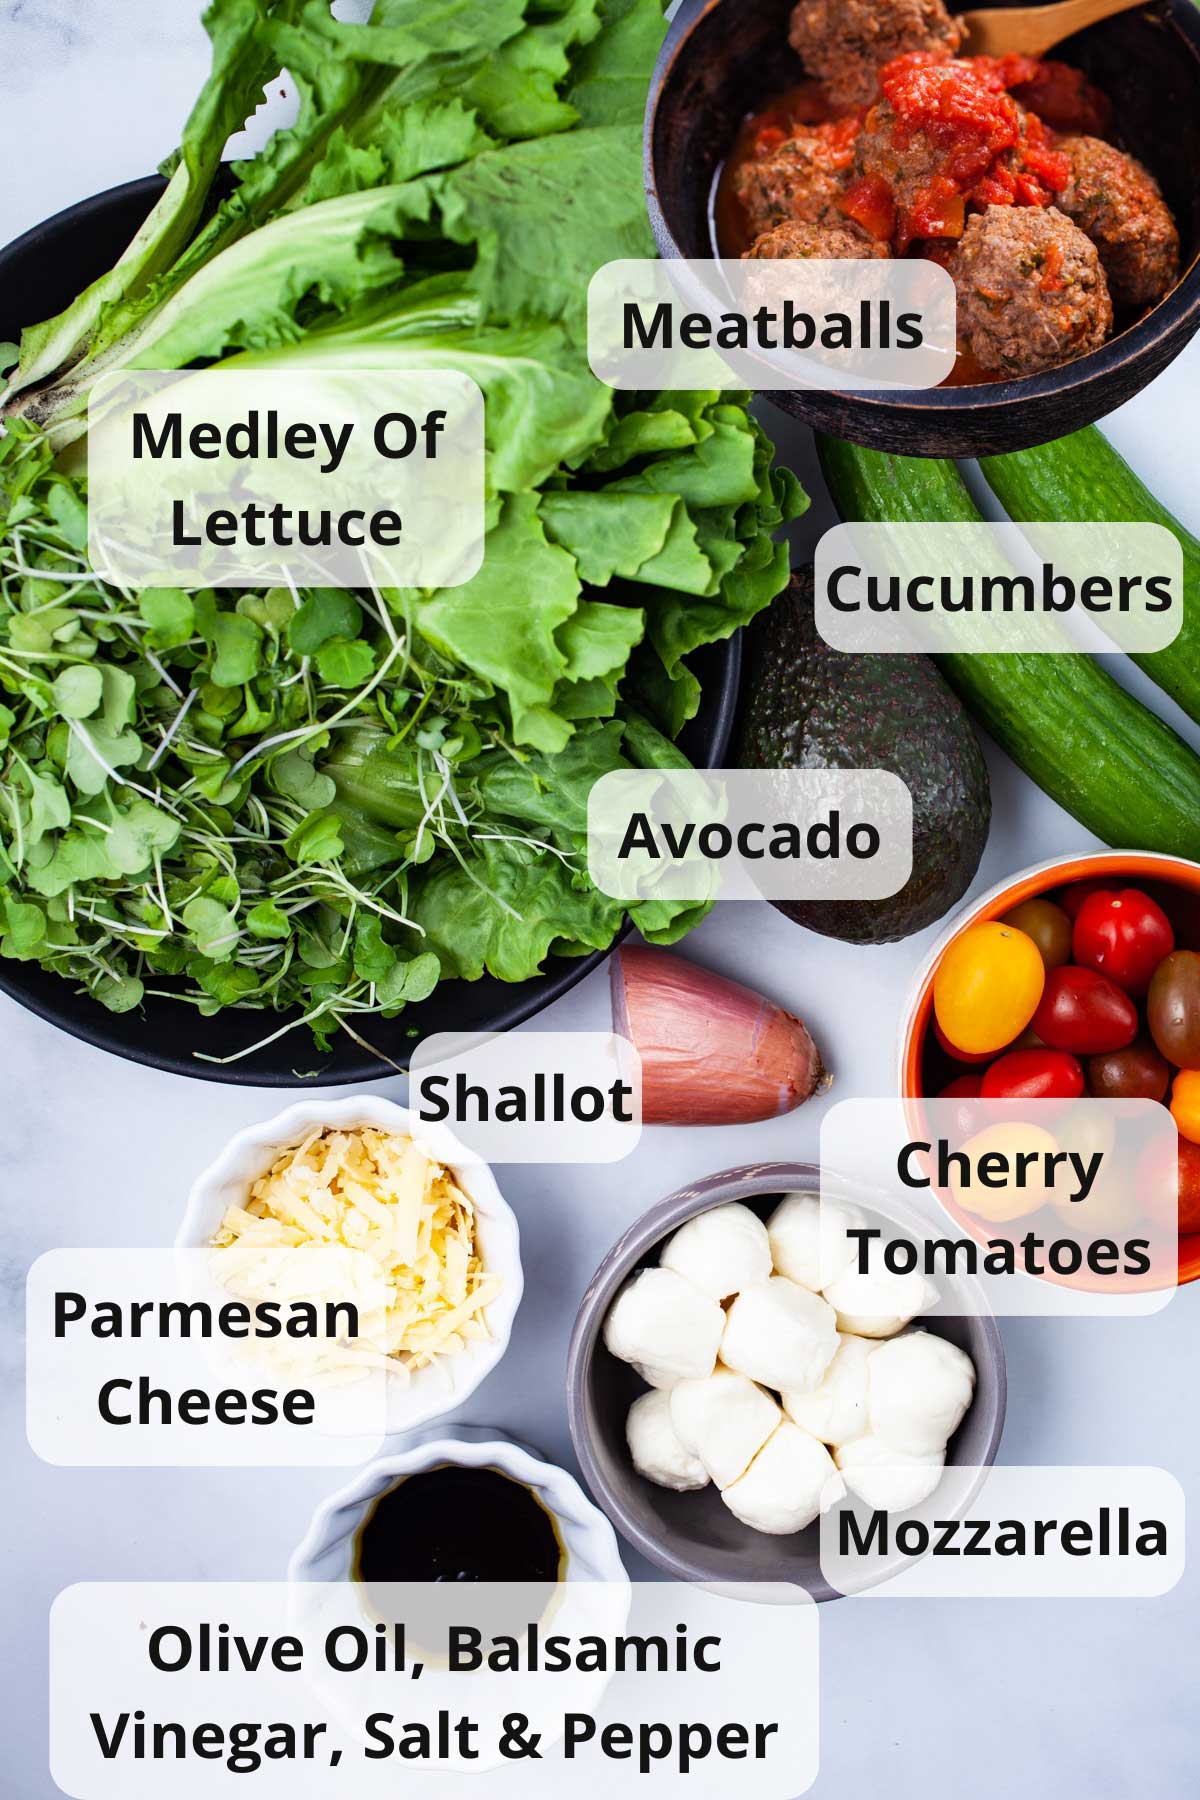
x,y
322,803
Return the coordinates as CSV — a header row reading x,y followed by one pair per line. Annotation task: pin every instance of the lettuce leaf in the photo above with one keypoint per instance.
x,y
213,790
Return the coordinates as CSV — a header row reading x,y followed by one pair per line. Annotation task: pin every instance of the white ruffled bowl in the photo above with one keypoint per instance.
x,y
441,1385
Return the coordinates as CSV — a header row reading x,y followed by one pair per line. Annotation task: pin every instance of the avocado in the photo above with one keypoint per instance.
x,y
808,706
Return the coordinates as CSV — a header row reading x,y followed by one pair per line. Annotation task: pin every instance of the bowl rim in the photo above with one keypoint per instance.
x,y
257,1143
348,1063
1172,321
1028,884
747,1182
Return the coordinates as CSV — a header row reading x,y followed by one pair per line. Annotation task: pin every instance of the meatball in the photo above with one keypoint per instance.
x,y
1031,291
798,237
801,179
1120,206
845,43
907,171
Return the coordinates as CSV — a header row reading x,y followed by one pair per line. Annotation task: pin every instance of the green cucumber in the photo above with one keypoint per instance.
x,y
1081,477
1095,749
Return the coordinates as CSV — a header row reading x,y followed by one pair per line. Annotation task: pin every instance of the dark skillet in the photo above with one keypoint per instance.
x,y
40,274
724,59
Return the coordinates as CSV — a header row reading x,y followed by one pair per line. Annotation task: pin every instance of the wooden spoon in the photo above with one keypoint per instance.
x,y
1032,30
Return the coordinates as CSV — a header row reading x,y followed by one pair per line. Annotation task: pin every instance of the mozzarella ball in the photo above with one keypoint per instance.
x,y
879,1304
655,1448
723,1419
836,1410
661,1321
721,1251
919,1388
808,1239
780,1334
790,1482
886,1479
656,1378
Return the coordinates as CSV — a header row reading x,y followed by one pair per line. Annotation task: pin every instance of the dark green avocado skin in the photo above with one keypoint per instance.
x,y
806,706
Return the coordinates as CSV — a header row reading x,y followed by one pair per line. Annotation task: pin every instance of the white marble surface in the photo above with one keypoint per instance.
x,y
920,1698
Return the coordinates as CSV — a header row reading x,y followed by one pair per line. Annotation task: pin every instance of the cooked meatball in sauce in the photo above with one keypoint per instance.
x,y
1120,206
1031,292
803,178
834,240
845,43
1001,169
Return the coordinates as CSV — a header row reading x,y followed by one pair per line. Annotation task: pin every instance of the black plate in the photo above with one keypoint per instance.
x,y
726,58
40,274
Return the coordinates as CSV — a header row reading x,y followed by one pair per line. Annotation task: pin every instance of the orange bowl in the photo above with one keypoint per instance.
x,y
1127,866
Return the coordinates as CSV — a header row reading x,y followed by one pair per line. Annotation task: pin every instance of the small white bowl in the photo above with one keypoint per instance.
x,y
594,1595
588,1540
448,1381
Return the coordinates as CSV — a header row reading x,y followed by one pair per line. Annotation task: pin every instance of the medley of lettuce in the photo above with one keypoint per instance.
x,y
323,802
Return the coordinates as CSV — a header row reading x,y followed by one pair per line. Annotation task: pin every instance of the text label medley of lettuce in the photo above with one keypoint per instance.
x,y
328,800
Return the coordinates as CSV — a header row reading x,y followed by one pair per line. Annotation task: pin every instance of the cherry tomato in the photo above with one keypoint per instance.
x,y
1033,1075
1182,908
987,987
1185,1104
962,1056
1189,1186
1048,926
1124,934
1173,1008
1169,1185
1011,1199
1085,1013
963,1087
1072,898
968,1116
1136,1073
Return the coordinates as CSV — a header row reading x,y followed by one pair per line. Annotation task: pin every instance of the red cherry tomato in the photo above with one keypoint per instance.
x,y
1084,1013
1072,898
952,1050
1189,1187
1124,934
1165,1199
1033,1075
968,1115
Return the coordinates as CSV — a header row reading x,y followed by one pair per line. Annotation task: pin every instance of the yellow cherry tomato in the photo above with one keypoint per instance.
x,y
1013,1157
987,987
1185,1104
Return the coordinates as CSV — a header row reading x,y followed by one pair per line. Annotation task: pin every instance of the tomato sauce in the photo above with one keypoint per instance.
x,y
970,123
960,141
796,107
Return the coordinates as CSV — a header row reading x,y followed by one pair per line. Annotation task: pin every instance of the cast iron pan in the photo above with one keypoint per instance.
x,y
40,274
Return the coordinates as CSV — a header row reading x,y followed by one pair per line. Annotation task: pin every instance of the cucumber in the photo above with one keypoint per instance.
x,y
1081,477
1091,746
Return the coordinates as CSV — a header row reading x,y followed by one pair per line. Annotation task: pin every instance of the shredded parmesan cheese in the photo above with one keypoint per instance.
x,y
400,1233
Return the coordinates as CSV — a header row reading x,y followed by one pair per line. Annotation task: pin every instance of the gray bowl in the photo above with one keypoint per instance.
x,y
694,1536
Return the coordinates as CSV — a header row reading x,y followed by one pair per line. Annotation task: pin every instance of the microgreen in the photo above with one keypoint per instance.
x,y
317,802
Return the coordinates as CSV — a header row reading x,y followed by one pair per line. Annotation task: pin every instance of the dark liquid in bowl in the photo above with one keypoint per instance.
x,y
456,1527
458,1524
